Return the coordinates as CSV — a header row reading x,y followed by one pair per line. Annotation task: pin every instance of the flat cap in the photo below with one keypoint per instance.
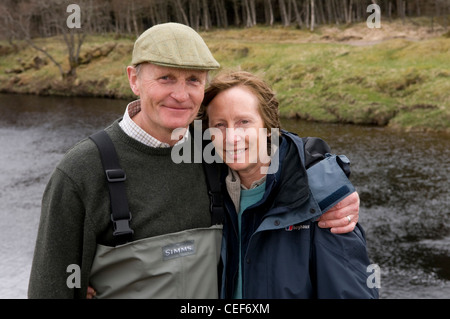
x,y
173,45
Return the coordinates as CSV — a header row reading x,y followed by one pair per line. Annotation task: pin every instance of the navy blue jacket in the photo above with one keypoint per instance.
x,y
284,253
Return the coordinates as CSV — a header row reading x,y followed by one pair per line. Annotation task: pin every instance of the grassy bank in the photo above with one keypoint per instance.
x,y
350,75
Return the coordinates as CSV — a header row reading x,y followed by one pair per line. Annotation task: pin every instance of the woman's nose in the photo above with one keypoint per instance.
x,y
234,135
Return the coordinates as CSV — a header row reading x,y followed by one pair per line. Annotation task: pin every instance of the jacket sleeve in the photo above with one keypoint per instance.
x,y
327,173
59,242
315,150
341,265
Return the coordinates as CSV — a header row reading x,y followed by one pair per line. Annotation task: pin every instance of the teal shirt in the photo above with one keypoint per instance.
x,y
247,199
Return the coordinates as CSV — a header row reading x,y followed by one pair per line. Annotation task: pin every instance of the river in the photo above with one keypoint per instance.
x,y
402,179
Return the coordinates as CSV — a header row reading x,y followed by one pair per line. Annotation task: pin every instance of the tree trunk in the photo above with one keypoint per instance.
x,y
268,12
237,20
298,17
246,14
223,13
389,10
320,13
194,14
252,11
133,18
349,13
334,10
312,15
206,17
181,13
283,13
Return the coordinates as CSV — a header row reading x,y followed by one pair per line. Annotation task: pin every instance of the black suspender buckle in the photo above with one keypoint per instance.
x,y
122,226
216,208
115,175
216,199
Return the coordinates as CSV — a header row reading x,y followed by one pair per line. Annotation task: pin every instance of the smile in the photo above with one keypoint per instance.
x,y
236,152
177,108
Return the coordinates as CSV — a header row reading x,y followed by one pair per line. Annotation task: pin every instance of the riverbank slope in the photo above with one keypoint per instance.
x,y
398,75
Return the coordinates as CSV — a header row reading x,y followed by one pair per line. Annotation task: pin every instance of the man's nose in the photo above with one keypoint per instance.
x,y
180,92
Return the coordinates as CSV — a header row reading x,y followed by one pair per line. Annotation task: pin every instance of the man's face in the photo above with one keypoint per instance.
x,y
170,98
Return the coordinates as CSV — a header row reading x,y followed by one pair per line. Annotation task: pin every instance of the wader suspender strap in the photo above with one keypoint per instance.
x,y
212,181
120,213
215,193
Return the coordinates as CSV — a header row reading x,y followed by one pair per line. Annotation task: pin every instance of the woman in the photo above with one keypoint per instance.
x,y
272,247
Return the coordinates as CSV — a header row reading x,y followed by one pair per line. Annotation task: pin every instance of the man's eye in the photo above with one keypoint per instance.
x,y
194,80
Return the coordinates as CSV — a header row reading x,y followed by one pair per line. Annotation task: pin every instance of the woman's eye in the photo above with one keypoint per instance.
x,y
243,122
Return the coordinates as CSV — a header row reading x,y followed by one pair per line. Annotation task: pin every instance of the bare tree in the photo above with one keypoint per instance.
x,y
220,13
312,15
283,13
194,14
206,16
237,20
179,10
22,29
247,13
54,21
298,17
268,12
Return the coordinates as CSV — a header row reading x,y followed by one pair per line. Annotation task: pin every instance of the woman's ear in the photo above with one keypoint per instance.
x,y
133,79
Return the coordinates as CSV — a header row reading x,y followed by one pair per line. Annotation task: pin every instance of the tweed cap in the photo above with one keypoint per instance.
x,y
173,45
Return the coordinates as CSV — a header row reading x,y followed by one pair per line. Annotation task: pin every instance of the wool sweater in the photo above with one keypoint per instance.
x,y
163,197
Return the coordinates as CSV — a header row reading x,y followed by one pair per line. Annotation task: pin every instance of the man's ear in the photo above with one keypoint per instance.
x,y
133,79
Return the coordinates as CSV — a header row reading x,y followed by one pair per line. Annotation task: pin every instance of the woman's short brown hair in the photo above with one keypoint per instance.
x,y
268,103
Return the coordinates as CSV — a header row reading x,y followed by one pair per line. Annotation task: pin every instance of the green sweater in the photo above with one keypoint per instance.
x,y
164,197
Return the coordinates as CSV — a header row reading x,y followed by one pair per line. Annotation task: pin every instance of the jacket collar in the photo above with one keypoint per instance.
x,y
289,183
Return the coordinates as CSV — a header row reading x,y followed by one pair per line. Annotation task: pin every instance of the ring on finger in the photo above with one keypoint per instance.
x,y
349,219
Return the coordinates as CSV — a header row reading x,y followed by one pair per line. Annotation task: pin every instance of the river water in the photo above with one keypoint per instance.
x,y
402,179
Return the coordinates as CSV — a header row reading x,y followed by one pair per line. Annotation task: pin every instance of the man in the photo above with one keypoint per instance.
x,y
175,248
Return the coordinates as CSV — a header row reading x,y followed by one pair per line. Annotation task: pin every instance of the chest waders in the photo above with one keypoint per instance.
x,y
176,265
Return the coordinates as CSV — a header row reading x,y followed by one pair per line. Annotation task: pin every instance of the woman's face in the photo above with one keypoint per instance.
x,y
240,135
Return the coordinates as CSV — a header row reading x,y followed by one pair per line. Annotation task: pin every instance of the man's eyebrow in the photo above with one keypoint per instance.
x,y
165,73
196,73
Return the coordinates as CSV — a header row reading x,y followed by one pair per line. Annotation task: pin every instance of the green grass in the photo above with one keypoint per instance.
x,y
399,83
